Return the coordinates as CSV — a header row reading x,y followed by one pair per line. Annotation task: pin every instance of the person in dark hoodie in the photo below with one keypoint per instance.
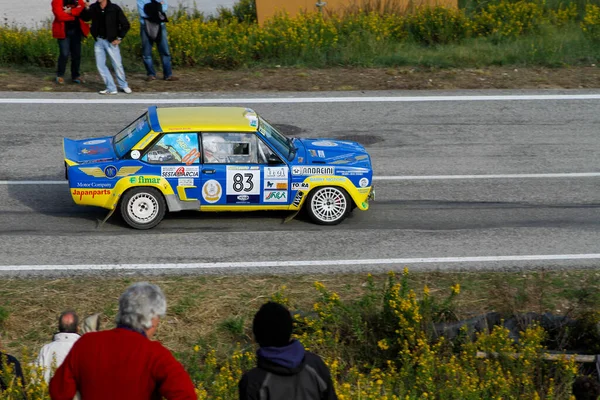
x,y
284,369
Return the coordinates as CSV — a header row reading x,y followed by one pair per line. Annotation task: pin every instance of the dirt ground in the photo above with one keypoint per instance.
x,y
297,79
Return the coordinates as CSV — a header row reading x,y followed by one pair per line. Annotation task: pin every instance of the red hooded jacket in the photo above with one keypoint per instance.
x,y
60,17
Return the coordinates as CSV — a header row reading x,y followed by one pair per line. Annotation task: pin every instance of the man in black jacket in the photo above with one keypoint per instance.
x,y
285,370
109,27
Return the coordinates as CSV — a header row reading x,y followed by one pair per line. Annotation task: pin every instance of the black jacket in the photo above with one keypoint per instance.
x,y
116,21
7,359
292,374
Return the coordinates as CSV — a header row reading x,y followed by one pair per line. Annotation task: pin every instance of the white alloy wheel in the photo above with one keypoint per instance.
x,y
142,208
328,205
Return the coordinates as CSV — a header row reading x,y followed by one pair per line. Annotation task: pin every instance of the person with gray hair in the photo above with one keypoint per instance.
x,y
54,353
124,363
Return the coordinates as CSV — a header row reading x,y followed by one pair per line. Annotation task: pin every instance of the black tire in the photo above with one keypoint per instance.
x,y
328,205
143,207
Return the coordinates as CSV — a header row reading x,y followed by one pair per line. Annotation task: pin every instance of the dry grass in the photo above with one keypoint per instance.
x,y
198,306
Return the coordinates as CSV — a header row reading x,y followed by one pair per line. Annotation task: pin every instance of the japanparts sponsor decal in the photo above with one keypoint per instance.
x,y
300,185
276,172
275,185
144,180
180,172
212,191
245,182
185,182
364,182
275,196
109,171
324,143
93,185
353,171
90,193
301,170
93,142
298,199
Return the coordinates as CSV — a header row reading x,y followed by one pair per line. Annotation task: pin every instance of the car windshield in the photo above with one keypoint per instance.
x,y
130,136
282,143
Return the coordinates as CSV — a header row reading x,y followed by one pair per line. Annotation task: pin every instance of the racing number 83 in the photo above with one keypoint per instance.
x,y
239,184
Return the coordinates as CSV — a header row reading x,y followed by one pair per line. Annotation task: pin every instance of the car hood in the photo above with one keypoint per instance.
x,y
334,152
89,150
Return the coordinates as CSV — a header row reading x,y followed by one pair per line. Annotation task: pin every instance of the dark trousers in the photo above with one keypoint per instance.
x,y
71,44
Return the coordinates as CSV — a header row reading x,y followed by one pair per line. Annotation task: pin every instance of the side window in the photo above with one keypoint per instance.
x,y
230,148
174,148
264,152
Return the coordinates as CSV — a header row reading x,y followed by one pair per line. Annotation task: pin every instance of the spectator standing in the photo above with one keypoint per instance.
x,y
109,27
284,369
69,30
153,30
91,323
6,360
55,352
123,363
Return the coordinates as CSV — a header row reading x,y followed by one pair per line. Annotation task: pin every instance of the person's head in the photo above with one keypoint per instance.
x,y
141,306
68,322
90,323
586,388
272,325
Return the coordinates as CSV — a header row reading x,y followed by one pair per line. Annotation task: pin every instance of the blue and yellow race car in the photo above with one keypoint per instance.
x,y
215,159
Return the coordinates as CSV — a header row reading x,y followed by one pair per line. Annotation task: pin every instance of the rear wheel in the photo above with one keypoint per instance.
x,y
143,208
328,205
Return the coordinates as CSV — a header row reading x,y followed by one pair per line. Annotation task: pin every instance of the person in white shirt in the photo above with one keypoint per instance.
x,y
54,353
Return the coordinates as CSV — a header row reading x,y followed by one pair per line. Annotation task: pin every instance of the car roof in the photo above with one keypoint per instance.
x,y
202,119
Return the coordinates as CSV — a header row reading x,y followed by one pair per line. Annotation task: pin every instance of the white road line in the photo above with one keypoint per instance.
x,y
307,263
401,177
366,99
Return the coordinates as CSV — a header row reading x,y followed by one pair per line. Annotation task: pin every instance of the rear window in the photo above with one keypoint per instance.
x,y
132,134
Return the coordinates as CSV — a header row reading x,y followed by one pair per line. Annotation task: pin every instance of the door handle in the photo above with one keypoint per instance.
x,y
208,171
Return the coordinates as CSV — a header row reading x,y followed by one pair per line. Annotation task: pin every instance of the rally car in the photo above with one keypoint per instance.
x,y
215,159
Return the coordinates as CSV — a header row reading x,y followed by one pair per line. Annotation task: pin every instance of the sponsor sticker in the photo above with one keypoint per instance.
x,y
180,172
93,185
276,172
321,153
327,179
298,199
93,142
300,185
110,171
243,197
185,182
275,196
135,154
91,193
324,143
145,180
275,185
211,191
301,170
364,182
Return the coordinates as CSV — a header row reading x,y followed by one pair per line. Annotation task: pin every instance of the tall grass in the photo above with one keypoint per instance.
x,y
368,33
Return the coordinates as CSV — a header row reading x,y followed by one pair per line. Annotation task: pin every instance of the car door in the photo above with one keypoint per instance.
x,y
177,159
235,173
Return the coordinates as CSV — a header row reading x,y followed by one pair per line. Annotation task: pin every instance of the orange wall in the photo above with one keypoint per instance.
x,y
265,9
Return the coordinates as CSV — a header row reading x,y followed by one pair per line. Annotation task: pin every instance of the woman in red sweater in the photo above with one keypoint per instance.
x,y
69,30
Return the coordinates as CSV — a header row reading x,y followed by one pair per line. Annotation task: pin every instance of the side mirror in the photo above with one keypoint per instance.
x,y
273,159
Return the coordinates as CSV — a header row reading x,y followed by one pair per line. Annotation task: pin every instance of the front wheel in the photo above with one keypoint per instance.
x,y
328,205
143,208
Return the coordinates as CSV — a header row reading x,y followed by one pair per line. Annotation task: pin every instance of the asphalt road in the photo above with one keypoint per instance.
x,y
412,222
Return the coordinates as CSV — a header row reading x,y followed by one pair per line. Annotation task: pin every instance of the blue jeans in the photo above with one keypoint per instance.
x,y
102,47
71,44
163,51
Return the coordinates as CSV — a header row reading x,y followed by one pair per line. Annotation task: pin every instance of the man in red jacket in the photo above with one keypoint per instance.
x,y
123,363
69,30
